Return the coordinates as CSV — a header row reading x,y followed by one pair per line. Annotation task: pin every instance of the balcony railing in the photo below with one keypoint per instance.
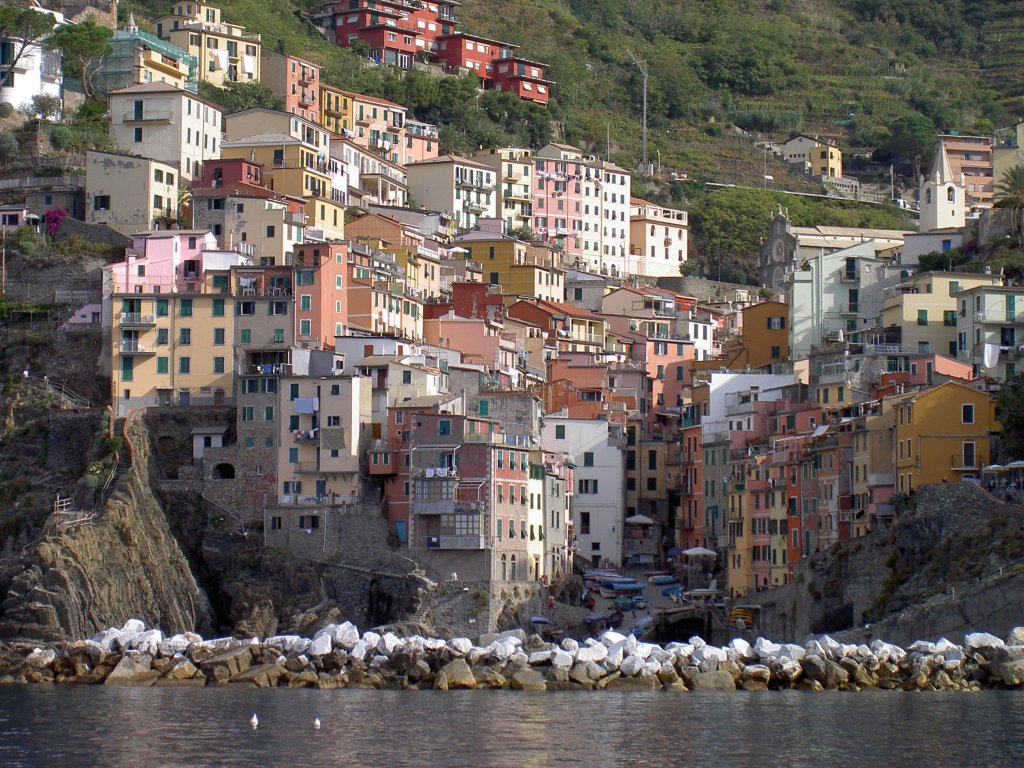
x,y
456,542
134,348
307,467
959,461
306,435
300,500
136,318
147,115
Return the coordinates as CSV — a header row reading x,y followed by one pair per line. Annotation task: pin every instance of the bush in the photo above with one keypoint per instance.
x,y
6,110
8,146
62,137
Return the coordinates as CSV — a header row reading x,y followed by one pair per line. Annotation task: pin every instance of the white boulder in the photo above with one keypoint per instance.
x,y
321,645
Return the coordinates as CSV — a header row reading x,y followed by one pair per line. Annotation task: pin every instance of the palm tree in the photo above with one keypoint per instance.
x,y
1010,194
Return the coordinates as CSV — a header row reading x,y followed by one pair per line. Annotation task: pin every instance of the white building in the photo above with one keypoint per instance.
x,y
37,71
598,508
943,196
462,187
512,167
168,124
658,239
614,184
990,330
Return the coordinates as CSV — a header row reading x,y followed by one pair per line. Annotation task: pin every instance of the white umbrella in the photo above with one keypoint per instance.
x,y
699,552
993,468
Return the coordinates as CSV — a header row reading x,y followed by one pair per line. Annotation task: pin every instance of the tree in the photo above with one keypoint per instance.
x,y
8,147
910,138
525,232
46,106
1010,410
1010,195
85,44
235,97
23,28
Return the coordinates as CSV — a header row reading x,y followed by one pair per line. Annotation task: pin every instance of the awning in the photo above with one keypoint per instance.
x,y
699,552
639,520
306,404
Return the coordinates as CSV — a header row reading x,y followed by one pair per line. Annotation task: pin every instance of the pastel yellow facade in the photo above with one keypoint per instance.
x,y
172,348
763,338
942,433
925,309
225,53
519,268
295,154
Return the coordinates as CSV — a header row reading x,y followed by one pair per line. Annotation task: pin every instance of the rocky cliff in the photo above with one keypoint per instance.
x,y
950,563
95,571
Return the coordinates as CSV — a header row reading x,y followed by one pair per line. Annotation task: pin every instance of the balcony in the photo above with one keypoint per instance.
x,y
475,207
382,462
851,308
307,100
848,276
137,320
307,468
513,177
456,542
306,435
134,348
131,115
434,506
965,463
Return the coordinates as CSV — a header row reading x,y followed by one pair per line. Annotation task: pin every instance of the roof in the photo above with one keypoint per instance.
x,y
449,158
426,401
372,99
262,139
940,165
482,39
160,87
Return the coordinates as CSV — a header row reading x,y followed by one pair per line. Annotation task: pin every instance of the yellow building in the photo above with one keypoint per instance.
x,y
924,308
521,269
296,159
335,111
943,432
377,125
763,337
171,343
823,158
224,52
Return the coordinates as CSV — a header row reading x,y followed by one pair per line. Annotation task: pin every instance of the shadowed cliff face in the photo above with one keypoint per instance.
x,y
124,563
952,564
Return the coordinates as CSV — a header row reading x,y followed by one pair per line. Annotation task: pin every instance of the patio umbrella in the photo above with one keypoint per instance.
x,y
699,552
993,468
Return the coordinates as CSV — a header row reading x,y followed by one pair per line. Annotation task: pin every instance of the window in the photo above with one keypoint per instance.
x,y
587,486
185,336
218,307
218,336
444,427
560,432
967,413
652,483
161,365
268,413
776,323
407,377
588,459
777,352
185,308
305,327
161,307
137,135
161,336
184,365
922,317
245,336
306,302
270,231
218,365
101,203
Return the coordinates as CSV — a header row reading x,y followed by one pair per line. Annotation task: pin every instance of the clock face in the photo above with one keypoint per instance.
x,y
778,250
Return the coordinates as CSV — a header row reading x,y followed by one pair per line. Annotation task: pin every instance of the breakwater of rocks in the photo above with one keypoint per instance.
x,y
339,656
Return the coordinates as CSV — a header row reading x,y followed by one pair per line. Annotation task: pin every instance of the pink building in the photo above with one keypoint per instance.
x,y
293,80
421,142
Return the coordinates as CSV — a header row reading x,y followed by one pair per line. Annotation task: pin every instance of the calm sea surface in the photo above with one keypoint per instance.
x,y
93,726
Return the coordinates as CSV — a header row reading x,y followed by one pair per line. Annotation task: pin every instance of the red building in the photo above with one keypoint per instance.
x,y
399,32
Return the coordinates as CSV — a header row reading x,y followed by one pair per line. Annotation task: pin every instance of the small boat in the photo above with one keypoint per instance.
x,y
627,587
675,589
666,578
623,603
639,601
649,575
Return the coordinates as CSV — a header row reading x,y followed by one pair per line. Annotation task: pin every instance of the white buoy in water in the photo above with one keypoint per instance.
x,y
254,721
316,723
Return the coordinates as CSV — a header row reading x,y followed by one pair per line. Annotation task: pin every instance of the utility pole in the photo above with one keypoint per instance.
x,y
642,66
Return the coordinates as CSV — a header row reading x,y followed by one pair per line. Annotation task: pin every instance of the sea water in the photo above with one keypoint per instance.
x,y
72,726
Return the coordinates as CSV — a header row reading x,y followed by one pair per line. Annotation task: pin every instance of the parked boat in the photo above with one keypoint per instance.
x,y
667,578
675,589
639,601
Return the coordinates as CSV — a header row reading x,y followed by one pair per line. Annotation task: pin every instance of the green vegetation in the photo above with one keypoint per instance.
x,y
238,96
84,45
728,223
1010,408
